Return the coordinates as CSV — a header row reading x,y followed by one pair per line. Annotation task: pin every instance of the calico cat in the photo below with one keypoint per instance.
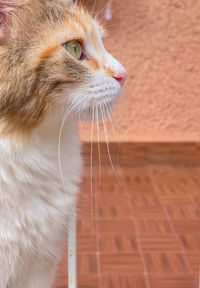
x,y
53,67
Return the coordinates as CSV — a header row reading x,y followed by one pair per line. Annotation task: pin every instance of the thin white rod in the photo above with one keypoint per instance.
x,y
72,253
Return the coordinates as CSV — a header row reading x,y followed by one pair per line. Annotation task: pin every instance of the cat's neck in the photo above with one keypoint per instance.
x,y
45,137
52,130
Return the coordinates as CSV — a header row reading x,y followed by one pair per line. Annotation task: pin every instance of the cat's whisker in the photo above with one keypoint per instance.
x,y
79,118
99,149
59,142
66,115
108,149
109,108
109,116
91,167
71,108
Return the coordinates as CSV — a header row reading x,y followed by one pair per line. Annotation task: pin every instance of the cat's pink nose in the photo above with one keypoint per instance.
x,y
120,77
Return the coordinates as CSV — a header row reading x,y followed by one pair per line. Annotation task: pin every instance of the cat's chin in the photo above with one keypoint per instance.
x,y
97,112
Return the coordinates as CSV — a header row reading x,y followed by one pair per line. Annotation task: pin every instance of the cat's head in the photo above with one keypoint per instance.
x,y
52,57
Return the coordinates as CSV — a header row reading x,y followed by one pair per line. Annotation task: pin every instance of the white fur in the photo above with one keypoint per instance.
x,y
34,205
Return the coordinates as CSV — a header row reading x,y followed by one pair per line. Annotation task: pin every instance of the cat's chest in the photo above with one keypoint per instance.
x,y
39,170
33,198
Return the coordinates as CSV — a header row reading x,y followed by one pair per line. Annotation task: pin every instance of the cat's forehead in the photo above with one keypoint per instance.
x,y
79,21
76,22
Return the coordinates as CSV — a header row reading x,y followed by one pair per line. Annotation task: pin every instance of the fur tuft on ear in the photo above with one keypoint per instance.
x,y
6,9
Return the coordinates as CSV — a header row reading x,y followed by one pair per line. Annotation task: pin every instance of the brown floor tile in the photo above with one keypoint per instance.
x,y
178,212
196,199
155,219
133,153
176,199
61,281
159,243
84,281
186,226
124,263
86,210
88,281
119,199
197,280
87,243
153,226
110,186
169,193
118,243
172,281
87,263
191,175
194,260
190,242
86,227
167,184
116,226
165,262
138,180
113,211
123,281
141,200
149,212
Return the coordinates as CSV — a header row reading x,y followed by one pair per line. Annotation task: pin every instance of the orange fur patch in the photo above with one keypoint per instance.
x,y
94,65
80,22
70,27
108,71
48,53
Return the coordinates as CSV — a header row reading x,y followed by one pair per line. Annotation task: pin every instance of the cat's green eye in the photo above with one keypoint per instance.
x,y
74,48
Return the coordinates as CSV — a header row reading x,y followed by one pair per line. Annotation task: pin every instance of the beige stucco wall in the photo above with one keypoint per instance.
x,y
158,41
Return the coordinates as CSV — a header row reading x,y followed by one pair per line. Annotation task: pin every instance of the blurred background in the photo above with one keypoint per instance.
x,y
158,43
139,227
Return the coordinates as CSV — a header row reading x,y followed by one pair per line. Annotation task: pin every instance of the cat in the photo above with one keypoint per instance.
x,y
53,67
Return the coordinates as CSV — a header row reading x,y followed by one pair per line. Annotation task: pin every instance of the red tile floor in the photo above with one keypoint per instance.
x,y
145,234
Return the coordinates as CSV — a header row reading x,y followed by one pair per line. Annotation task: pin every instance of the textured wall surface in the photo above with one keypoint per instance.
x,y
158,41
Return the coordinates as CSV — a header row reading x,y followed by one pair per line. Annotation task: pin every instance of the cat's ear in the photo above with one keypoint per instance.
x,y
7,7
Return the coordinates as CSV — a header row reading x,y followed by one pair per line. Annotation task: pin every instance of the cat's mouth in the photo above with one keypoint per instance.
x,y
109,99
101,104
104,98
104,92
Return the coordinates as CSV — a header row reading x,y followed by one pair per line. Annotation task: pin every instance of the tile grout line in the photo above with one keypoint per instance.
x,y
166,212
141,273
98,238
197,281
170,221
147,251
139,244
